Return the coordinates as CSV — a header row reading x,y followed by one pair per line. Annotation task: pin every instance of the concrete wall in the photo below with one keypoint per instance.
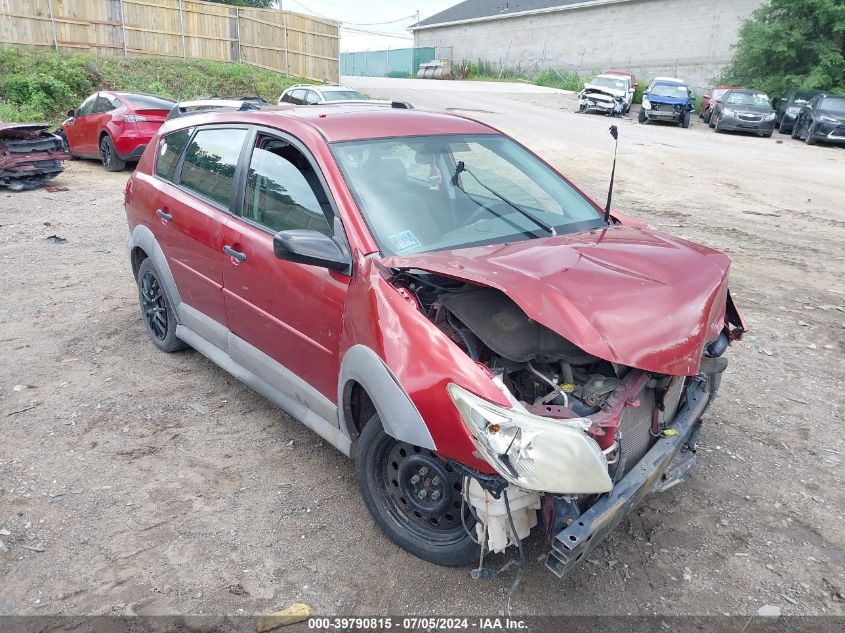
x,y
688,38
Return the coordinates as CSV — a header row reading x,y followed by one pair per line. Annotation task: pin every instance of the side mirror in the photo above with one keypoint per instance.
x,y
304,246
71,114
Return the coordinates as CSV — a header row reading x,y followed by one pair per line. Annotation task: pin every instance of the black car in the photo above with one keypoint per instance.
x,y
787,108
744,111
821,119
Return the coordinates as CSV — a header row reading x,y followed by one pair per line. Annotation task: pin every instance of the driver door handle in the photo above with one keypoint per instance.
x,y
231,252
164,215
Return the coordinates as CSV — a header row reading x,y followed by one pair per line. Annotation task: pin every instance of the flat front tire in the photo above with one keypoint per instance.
x,y
414,496
159,317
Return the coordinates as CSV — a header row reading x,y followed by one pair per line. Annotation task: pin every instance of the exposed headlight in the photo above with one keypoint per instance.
x,y
646,103
531,452
769,117
727,112
793,111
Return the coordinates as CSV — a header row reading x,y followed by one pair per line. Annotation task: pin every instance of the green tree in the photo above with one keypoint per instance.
x,y
255,4
789,43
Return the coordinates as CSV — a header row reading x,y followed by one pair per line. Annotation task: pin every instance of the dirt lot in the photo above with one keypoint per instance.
x,y
137,482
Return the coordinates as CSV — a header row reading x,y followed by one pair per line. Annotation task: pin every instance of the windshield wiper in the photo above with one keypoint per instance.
x,y
461,168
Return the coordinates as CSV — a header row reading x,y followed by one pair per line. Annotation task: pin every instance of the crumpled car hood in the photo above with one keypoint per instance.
x,y
627,295
605,90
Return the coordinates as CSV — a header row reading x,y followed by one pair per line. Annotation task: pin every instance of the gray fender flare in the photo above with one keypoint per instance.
x,y
141,237
397,413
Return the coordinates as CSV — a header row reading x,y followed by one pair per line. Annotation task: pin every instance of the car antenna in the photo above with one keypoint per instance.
x,y
251,76
614,132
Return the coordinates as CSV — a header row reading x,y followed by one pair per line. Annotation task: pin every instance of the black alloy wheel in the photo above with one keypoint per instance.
x,y
415,496
156,309
154,305
108,155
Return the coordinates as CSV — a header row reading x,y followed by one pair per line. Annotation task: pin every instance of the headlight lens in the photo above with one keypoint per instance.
x,y
770,117
646,103
792,111
531,452
727,112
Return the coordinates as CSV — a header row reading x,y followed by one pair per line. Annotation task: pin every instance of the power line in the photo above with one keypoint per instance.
x,y
320,15
401,37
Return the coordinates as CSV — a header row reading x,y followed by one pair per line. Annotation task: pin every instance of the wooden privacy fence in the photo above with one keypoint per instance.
x,y
282,41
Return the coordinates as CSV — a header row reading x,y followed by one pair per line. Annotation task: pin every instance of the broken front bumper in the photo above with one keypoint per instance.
x,y
662,467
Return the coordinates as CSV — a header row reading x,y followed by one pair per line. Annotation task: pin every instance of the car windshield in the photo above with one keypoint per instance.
x,y
413,202
803,96
748,98
148,102
675,91
719,93
610,82
343,95
834,104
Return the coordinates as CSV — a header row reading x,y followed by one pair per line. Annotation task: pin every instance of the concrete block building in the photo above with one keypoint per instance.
x,y
691,39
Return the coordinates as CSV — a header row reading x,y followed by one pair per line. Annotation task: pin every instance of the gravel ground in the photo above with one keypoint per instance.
x,y
138,482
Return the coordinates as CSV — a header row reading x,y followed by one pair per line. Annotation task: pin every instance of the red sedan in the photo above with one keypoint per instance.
x,y
708,101
114,127
442,306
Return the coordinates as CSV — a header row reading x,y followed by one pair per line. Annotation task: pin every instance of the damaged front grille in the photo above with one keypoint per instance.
x,y
29,155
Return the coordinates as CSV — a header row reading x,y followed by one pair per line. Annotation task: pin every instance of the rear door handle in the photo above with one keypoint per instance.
x,y
231,252
164,215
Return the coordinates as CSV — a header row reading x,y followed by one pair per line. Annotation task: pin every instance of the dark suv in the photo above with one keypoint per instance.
x,y
441,305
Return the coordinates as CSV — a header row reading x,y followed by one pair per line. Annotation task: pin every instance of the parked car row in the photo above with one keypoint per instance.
x,y
809,115
115,127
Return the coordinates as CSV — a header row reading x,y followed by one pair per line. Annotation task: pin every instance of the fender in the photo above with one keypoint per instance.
x,y
397,413
141,237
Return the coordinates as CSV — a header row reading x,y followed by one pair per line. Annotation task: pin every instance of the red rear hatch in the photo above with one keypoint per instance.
x,y
148,121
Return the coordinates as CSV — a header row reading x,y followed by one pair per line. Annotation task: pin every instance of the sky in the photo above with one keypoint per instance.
x,y
371,24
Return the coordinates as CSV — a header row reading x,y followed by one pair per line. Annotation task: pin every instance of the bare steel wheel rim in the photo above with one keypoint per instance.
x,y
154,305
105,152
422,492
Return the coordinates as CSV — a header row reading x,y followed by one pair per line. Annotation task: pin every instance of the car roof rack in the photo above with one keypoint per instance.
x,y
399,105
200,106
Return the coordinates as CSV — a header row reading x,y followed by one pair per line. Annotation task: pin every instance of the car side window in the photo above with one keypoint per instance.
x,y
283,191
87,106
210,161
311,98
169,150
286,97
297,96
103,104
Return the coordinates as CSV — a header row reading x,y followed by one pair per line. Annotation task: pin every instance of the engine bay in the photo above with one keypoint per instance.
x,y
538,366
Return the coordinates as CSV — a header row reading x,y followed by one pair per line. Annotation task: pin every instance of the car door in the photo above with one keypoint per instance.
x,y
103,106
195,174
291,312
78,127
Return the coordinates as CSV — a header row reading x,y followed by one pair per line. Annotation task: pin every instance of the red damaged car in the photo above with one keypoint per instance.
x,y
441,305
114,127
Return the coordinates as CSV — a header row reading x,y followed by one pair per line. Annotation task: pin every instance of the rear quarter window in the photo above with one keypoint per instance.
x,y
169,150
210,162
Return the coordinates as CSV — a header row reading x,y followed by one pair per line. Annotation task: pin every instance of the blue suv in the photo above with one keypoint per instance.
x,y
667,99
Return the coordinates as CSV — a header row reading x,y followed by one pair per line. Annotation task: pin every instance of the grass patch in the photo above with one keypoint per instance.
x,y
42,86
563,80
